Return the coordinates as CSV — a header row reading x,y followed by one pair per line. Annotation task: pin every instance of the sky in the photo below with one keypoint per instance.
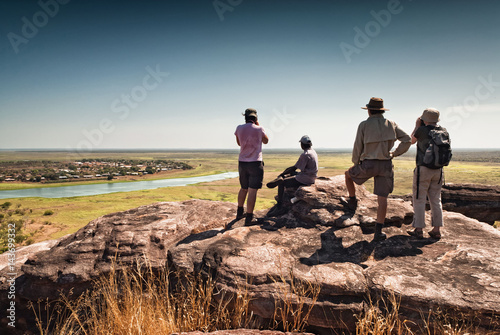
x,y
150,74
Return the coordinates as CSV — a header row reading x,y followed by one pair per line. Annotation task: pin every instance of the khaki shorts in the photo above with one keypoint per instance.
x,y
381,171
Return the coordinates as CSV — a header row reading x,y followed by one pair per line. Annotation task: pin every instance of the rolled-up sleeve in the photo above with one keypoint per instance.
x,y
358,145
405,141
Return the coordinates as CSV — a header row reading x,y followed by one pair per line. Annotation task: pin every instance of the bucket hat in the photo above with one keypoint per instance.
x,y
375,104
250,112
430,115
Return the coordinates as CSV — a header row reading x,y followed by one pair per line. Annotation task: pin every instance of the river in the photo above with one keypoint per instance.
x,y
95,189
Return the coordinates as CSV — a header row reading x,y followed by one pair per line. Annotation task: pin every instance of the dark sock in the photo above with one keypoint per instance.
x,y
249,218
239,212
378,228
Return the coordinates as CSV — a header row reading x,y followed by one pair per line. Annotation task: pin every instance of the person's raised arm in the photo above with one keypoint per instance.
x,y
405,142
418,124
265,139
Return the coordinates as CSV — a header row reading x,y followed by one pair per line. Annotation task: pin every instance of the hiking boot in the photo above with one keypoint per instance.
x,y
249,221
276,211
275,182
239,213
435,235
351,203
416,233
379,236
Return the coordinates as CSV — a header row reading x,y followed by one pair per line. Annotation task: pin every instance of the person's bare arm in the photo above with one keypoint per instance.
x,y
238,140
405,142
265,139
418,123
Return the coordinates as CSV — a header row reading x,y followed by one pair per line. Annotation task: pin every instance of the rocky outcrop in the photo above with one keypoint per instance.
x,y
318,245
147,232
476,201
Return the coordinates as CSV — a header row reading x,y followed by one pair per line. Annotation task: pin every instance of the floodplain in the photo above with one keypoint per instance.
x,y
46,218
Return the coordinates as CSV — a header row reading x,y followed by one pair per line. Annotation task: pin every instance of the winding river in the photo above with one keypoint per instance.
x,y
95,189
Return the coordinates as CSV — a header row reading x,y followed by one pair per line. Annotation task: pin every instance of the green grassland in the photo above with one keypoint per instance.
x,y
70,214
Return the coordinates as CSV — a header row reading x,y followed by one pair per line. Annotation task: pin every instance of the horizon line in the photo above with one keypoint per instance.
x,y
194,149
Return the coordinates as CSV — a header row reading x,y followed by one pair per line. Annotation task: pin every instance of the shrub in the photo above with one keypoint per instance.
x,y
19,211
4,233
48,212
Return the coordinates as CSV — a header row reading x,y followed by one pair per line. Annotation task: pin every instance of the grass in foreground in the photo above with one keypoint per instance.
x,y
141,301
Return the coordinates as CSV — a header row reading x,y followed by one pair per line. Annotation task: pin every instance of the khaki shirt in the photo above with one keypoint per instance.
x,y
376,137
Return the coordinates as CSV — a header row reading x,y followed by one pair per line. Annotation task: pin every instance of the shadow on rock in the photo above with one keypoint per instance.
x,y
333,249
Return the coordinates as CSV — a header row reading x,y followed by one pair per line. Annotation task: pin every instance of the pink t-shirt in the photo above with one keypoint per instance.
x,y
250,137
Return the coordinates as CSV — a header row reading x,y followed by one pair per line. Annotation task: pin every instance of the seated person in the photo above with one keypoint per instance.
x,y
308,166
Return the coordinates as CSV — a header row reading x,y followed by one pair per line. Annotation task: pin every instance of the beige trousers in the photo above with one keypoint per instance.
x,y
430,183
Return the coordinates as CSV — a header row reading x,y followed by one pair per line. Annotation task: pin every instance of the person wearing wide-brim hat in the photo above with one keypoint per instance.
x,y
427,182
308,166
250,137
372,158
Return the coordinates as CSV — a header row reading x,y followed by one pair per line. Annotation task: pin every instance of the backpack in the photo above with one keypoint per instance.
x,y
438,153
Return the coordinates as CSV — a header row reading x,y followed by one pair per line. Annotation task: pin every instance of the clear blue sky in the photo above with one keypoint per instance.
x,y
178,74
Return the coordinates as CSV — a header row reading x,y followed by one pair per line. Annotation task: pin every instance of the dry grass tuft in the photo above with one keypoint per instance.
x,y
294,302
140,301
384,318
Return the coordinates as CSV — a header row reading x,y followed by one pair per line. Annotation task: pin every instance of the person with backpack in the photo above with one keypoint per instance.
x,y
433,152
250,137
372,158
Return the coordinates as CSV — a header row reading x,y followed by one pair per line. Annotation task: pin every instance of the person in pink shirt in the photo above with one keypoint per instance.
x,y
250,137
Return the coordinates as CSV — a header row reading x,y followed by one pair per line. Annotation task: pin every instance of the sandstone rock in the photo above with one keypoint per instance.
x,y
146,232
475,201
318,244
23,253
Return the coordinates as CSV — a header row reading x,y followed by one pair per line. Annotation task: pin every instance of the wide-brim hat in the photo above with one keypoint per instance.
x,y
250,112
375,104
430,115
